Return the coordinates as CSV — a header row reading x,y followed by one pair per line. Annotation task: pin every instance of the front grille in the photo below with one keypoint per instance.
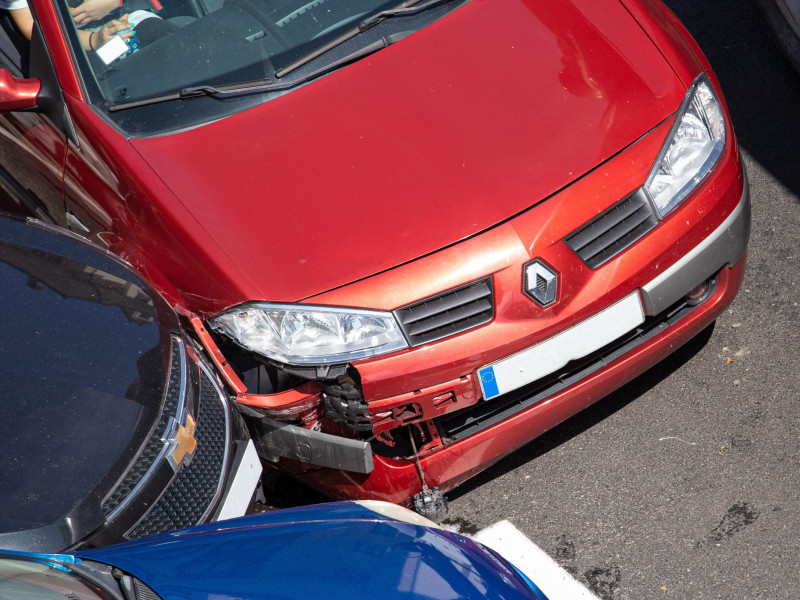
x,y
192,493
123,492
614,230
466,422
447,313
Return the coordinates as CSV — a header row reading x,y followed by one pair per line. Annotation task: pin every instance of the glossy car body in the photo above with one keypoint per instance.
x,y
114,427
354,550
494,134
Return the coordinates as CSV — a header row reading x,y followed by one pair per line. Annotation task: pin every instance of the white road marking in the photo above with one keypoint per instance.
x,y
511,543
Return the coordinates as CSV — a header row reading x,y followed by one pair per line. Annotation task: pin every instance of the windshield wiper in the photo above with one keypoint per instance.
x,y
264,85
405,8
195,92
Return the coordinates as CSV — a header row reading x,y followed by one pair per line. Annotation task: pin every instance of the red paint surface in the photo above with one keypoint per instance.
x,y
16,94
445,134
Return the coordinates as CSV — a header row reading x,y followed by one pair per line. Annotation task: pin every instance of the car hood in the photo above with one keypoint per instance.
x,y
446,133
337,550
81,385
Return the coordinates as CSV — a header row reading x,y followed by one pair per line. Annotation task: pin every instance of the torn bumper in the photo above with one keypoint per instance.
x,y
437,386
720,259
275,440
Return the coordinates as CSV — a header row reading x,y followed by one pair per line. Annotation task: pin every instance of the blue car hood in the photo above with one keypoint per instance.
x,y
330,551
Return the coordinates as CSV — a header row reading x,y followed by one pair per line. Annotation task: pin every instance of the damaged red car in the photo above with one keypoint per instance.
x,y
419,234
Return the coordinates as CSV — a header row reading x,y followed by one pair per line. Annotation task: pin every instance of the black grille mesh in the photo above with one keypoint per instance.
x,y
614,230
143,591
448,313
194,488
154,444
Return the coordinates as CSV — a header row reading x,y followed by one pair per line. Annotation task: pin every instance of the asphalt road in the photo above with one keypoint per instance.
x,y
686,483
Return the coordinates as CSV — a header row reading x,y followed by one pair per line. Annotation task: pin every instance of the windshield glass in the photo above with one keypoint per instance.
x,y
149,49
185,43
26,579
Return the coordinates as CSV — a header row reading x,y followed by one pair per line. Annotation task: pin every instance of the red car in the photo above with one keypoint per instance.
x,y
418,235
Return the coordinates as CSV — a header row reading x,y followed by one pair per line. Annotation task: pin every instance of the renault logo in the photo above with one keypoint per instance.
x,y
540,283
180,442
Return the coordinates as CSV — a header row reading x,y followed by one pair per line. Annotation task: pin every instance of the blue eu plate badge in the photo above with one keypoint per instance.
x,y
488,383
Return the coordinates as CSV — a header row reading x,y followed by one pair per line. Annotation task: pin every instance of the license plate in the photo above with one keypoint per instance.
x,y
553,353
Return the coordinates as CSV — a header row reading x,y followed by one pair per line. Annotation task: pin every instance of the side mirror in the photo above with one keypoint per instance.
x,y
16,94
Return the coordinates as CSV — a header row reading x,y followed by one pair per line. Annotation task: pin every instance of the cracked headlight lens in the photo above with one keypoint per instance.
x,y
692,149
310,335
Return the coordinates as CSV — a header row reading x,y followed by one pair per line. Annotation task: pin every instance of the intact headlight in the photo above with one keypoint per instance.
x,y
693,147
310,335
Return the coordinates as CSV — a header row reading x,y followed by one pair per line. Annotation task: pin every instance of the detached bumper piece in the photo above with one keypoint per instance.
x,y
275,439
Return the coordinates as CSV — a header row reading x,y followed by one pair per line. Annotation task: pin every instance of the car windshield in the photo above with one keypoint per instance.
x,y
33,580
182,49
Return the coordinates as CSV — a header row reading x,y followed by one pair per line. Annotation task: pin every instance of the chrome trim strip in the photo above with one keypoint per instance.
x,y
725,246
181,408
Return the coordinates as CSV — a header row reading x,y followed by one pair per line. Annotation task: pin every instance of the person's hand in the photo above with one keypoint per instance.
x,y
109,30
91,10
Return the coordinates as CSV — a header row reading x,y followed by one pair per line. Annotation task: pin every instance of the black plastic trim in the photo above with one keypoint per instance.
x,y
614,230
451,312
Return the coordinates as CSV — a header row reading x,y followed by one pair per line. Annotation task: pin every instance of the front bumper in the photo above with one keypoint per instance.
x,y
725,246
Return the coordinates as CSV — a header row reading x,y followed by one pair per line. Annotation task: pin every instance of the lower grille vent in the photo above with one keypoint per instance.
x,y
448,313
614,230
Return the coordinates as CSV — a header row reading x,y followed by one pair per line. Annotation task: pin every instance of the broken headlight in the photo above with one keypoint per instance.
x,y
296,334
693,147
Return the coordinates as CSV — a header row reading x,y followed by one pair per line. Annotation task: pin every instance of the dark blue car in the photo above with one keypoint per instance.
x,y
343,550
114,424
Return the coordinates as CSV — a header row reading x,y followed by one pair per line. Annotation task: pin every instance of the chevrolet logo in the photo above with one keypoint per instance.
x,y
181,442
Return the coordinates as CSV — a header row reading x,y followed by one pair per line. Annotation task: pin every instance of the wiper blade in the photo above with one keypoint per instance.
x,y
264,85
405,8
192,92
